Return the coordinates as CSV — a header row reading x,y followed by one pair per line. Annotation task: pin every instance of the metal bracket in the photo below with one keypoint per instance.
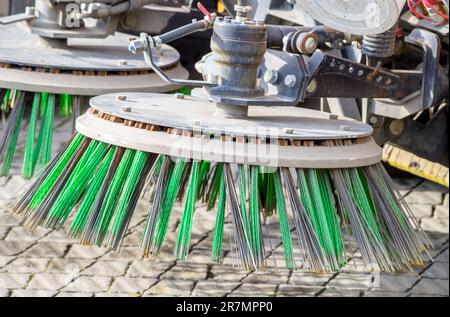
x,y
431,46
148,55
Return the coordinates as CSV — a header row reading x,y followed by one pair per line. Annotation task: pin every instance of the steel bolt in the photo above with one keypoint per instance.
x,y
345,127
126,109
290,81
310,44
122,62
271,76
121,98
179,96
373,120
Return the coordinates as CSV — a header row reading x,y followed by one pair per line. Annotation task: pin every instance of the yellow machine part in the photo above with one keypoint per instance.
x,y
416,165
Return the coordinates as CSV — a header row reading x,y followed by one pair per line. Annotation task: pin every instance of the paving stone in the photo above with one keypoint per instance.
x,y
446,199
107,268
108,294
427,197
3,232
13,280
190,272
11,248
32,293
439,240
125,254
333,292
443,257
58,236
296,291
201,256
435,225
47,281
78,251
26,265
89,284
227,274
441,212
248,289
68,266
46,250
352,281
7,220
267,277
383,294
309,279
171,288
431,287
5,260
211,288
21,234
397,283
4,293
130,285
437,270
148,268
421,210
73,294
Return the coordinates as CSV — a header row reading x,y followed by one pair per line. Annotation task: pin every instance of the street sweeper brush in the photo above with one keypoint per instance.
x,y
47,70
237,152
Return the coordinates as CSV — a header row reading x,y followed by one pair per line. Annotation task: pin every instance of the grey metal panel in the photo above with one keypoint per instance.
x,y
189,112
20,47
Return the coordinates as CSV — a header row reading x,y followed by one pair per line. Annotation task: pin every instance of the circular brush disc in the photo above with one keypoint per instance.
x,y
30,63
359,17
192,128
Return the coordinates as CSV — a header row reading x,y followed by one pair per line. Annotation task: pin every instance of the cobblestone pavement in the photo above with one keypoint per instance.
x,y
46,263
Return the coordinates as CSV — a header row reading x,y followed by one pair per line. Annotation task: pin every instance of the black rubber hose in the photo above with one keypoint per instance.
x,y
183,31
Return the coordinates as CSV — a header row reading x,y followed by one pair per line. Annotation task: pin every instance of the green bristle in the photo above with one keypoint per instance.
x,y
372,250
28,167
7,161
185,230
6,100
256,240
313,255
50,180
402,236
204,173
214,189
284,223
217,242
46,150
358,188
76,185
92,193
44,102
128,199
326,203
43,129
164,215
65,105
112,198
243,198
184,90
324,220
270,200
160,191
241,236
